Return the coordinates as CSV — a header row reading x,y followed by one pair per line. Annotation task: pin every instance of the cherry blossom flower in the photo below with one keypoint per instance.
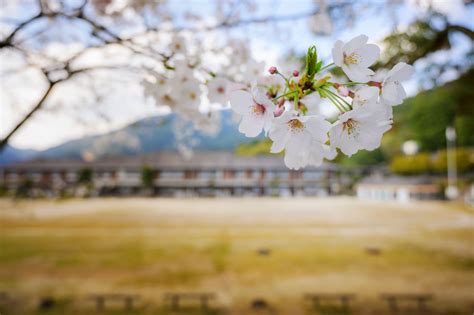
x,y
182,73
312,102
156,85
254,69
190,95
302,137
360,128
355,56
256,110
317,153
367,95
287,104
178,45
393,92
233,86
218,90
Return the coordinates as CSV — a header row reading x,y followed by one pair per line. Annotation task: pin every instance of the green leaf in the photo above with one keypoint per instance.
x,y
311,61
318,66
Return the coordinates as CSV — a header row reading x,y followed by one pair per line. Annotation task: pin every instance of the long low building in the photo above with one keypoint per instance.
x,y
210,173
398,188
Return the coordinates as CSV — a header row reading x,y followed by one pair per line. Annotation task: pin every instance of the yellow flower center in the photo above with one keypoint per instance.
x,y
295,125
352,59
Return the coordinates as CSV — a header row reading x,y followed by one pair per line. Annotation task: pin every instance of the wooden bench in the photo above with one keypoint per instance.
x,y
101,299
173,300
4,298
394,301
324,300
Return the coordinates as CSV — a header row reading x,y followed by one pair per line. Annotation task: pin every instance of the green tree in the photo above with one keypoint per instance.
x,y
147,176
84,176
424,118
411,164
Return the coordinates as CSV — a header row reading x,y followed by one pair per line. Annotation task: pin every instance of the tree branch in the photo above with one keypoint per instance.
x,y
110,37
461,29
38,105
8,40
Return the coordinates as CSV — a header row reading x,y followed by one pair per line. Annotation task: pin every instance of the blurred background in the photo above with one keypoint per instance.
x,y
116,200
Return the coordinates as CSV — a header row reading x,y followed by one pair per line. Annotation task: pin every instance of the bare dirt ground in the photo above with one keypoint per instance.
x,y
70,249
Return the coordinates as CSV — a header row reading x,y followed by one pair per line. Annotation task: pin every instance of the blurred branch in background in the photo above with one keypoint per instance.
x,y
63,40
103,35
423,38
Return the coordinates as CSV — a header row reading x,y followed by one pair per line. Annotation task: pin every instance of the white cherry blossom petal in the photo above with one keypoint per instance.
x,y
355,43
251,126
337,54
240,101
393,92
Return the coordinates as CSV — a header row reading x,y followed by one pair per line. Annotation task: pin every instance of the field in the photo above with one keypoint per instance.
x,y
241,249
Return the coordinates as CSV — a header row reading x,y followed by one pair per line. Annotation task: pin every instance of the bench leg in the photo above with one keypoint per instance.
x,y
100,303
175,303
422,306
345,304
204,302
128,303
393,305
316,303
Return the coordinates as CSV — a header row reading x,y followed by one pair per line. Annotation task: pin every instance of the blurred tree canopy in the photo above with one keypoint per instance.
x,y
421,38
423,163
424,118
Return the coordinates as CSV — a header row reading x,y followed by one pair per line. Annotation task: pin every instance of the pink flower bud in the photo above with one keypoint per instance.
x,y
279,111
344,91
272,70
296,73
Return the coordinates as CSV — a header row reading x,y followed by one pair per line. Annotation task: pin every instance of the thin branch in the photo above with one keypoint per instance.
x,y
459,28
38,105
8,40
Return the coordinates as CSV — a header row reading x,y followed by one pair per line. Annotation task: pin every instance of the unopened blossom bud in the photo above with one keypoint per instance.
x,y
343,90
279,111
296,73
273,70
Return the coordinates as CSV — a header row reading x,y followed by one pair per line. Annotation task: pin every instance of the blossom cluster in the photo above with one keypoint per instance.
x,y
186,83
286,108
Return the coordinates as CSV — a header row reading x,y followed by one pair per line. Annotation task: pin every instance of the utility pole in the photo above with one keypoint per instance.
x,y
451,191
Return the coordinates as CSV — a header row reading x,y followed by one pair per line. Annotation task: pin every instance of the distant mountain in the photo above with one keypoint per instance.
x,y
11,154
144,136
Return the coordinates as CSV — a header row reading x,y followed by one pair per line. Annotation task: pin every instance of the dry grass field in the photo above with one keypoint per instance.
x,y
73,248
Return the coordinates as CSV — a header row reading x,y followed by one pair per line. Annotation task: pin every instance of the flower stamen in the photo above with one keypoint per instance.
x,y
258,109
349,125
352,59
296,125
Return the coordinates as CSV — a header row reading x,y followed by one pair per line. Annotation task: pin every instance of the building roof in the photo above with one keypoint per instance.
x,y
170,160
